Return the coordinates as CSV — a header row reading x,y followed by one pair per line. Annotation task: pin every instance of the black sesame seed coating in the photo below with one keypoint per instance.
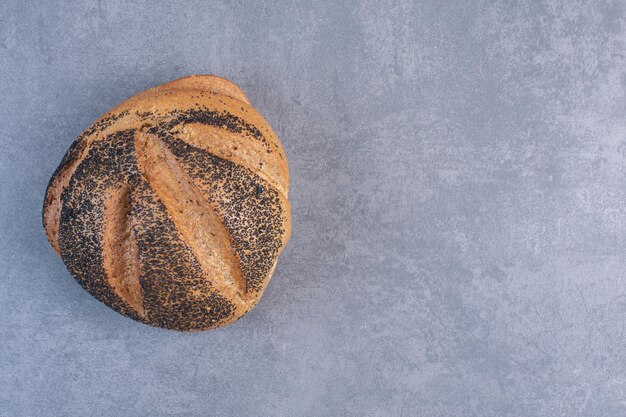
x,y
250,209
109,163
176,293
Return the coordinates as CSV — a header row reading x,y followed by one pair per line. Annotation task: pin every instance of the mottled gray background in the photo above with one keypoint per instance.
x,y
459,214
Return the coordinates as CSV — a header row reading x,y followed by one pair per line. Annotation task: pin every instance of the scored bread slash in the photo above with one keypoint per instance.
x,y
119,249
172,208
192,214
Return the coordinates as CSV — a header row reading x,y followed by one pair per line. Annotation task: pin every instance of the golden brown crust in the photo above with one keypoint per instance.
x,y
172,208
206,83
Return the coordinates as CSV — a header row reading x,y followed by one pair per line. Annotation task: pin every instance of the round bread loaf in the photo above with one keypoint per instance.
x,y
172,208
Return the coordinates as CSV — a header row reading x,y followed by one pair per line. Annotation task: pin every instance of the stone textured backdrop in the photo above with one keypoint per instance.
x,y
459,210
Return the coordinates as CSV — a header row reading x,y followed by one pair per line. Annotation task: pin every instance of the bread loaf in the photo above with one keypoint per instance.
x,y
172,208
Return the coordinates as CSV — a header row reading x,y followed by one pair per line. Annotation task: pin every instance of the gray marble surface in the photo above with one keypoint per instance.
x,y
459,214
